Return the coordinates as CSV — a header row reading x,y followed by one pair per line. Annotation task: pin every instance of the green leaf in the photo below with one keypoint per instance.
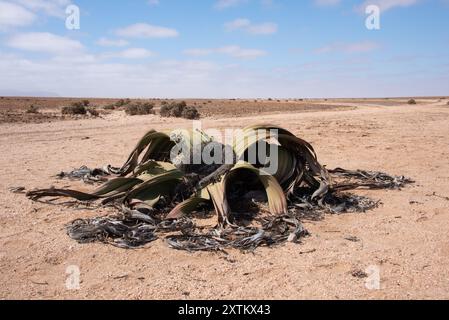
x,y
186,207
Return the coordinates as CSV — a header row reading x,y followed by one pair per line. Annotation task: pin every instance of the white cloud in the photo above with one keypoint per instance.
x,y
105,42
237,24
356,47
327,3
224,4
131,53
263,28
153,2
246,25
232,51
144,30
13,15
45,42
199,78
385,5
54,8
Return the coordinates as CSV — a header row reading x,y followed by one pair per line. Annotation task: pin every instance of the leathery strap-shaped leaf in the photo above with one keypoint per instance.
x,y
277,201
169,177
218,196
151,138
291,173
109,189
186,207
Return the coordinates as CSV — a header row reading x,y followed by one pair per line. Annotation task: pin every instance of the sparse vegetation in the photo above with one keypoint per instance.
x,y
412,101
122,103
93,112
76,108
33,109
174,109
179,110
109,107
190,113
139,108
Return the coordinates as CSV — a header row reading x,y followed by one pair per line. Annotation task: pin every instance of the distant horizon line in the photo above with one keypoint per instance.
x,y
217,98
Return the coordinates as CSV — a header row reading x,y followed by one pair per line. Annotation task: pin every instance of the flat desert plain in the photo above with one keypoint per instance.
x,y
406,238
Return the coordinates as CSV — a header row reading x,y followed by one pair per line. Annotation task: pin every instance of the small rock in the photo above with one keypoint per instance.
x,y
352,239
359,274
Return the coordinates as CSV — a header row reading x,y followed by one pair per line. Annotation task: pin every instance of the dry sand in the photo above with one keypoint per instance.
x,y
407,237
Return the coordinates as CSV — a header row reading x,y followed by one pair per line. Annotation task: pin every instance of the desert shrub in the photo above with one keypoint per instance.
x,y
179,110
190,113
109,107
76,108
174,109
93,112
85,103
412,101
270,99
32,109
165,110
447,103
139,109
122,102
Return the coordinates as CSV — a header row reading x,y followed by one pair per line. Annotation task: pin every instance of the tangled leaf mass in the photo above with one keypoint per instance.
x,y
157,195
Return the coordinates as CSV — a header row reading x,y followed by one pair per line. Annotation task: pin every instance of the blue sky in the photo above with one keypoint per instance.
x,y
224,48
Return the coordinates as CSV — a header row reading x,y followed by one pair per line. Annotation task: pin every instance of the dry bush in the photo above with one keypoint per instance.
x,y
139,109
76,108
122,103
174,109
32,109
190,113
179,110
93,112
109,107
412,101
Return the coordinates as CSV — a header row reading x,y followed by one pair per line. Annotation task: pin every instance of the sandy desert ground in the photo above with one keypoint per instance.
x,y
407,237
